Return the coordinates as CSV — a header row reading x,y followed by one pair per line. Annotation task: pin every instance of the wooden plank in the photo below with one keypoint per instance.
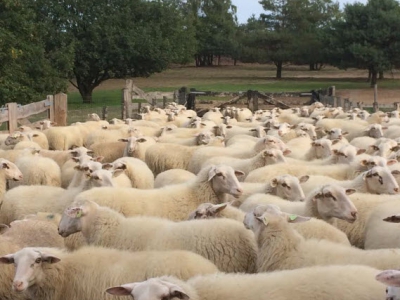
x,y
50,112
4,116
12,117
32,109
60,109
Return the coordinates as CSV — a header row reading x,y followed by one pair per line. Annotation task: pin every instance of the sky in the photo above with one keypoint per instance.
x,y
245,8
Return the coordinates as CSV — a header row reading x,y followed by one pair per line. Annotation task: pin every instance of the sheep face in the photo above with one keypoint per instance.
x,y
375,131
73,218
132,144
151,289
310,129
347,153
385,148
207,211
204,138
374,161
380,180
102,177
392,279
93,117
224,180
15,138
273,156
333,202
28,267
335,134
322,148
288,187
10,170
271,142
259,131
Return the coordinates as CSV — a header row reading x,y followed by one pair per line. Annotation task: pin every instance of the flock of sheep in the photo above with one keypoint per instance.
x,y
279,204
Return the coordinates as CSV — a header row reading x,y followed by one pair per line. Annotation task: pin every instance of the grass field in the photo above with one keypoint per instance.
x,y
242,78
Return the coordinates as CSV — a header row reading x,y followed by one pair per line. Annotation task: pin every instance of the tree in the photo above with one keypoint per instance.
x,y
289,31
215,25
28,70
118,38
367,37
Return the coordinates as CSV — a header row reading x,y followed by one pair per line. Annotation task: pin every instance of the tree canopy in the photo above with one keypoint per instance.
x,y
28,69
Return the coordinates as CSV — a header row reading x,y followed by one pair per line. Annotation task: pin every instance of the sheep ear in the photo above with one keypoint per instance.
x,y
335,141
345,133
98,158
7,259
361,151
117,172
304,178
391,162
239,173
75,159
396,148
297,219
392,219
350,191
219,207
373,147
74,212
364,162
50,259
395,172
263,219
3,228
287,152
123,290
177,292
274,182
212,172
389,277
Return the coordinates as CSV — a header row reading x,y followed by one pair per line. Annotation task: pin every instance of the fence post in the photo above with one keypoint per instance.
x,y
182,95
154,102
164,101
375,105
12,117
255,101
249,97
60,109
50,111
104,113
125,103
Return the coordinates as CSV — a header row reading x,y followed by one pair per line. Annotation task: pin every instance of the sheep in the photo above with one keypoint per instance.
x,y
173,176
384,147
136,170
392,132
200,138
45,124
8,171
382,228
137,147
336,171
173,202
320,282
284,186
24,234
68,170
38,170
313,229
363,142
226,243
245,165
52,274
242,114
24,200
304,148
326,203
390,278
109,150
377,180
280,247
213,115
131,122
240,139
34,136
163,156
201,155
64,138
62,156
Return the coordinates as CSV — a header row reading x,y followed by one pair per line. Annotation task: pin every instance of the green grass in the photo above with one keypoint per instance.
x,y
113,97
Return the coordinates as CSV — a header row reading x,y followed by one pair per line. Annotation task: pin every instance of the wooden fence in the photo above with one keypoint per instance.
x,y
56,107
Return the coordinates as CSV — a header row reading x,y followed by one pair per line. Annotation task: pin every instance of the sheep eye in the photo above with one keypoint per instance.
x,y
38,260
375,174
219,174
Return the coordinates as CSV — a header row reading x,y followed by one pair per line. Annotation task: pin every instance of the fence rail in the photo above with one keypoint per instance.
x,y
56,107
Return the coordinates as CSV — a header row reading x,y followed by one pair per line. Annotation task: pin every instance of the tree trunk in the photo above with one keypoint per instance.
x,y
369,74
374,78
381,75
86,91
312,67
219,60
279,65
235,61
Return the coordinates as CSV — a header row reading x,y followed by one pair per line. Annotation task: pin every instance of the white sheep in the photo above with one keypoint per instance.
x,y
109,150
173,202
173,176
33,136
282,248
313,229
246,165
242,151
137,147
53,274
377,180
8,171
64,138
136,170
164,156
392,279
320,282
226,243
62,156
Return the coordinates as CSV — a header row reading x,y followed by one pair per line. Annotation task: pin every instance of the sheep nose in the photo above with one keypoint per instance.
x,y
17,285
396,190
354,214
